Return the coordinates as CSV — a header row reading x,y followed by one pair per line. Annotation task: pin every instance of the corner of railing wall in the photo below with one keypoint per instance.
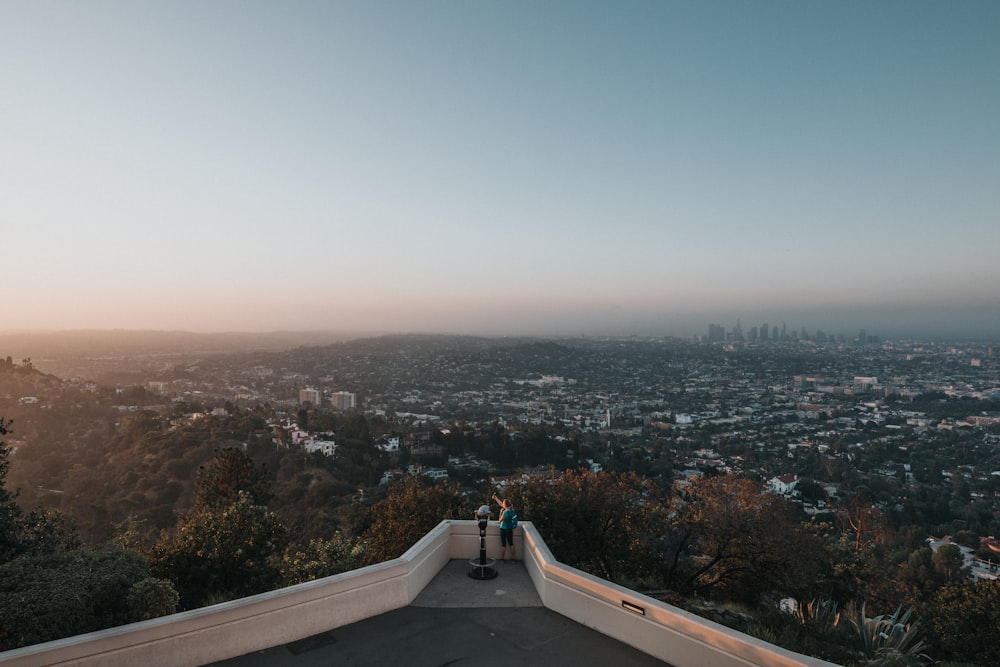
x,y
426,558
668,633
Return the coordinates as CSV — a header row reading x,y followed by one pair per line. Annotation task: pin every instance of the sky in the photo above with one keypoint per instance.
x,y
544,167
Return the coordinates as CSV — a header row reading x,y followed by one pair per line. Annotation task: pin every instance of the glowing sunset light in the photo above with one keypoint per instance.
x,y
499,168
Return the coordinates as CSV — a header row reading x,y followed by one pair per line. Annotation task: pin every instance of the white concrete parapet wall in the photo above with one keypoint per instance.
x,y
656,628
278,617
251,624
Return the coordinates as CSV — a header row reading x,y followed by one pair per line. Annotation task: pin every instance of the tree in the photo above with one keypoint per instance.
x,y
411,508
966,538
11,541
37,532
863,522
151,598
917,578
962,620
47,597
321,558
950,562
49,587
810,490
733,540
607,524
228,545
219,554
230,472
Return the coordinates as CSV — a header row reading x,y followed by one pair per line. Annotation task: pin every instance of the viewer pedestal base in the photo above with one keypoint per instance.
x,y
482,568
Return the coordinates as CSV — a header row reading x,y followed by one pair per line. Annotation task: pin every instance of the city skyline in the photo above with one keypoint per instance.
x,y
560,168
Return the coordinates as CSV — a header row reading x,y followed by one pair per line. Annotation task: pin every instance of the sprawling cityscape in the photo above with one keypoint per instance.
x,y
115,431
774,405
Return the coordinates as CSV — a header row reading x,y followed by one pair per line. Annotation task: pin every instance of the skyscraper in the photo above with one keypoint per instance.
x,y
310,396
343,400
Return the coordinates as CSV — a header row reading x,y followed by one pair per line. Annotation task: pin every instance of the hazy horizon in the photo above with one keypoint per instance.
x,y
558,168
955,324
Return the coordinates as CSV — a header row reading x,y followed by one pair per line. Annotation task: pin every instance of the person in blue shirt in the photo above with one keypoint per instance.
x,y
508,520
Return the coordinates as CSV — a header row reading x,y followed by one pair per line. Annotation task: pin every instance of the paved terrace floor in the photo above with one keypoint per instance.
x,y
458,621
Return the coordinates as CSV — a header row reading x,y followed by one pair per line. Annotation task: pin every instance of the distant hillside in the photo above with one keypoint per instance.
x,y
17,381
89,353
103,342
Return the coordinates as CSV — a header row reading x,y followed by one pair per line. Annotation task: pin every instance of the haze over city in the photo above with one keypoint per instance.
x,y
500,168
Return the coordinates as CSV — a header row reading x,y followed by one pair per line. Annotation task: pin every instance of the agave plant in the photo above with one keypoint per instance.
x,y
892,637
762,631
819,614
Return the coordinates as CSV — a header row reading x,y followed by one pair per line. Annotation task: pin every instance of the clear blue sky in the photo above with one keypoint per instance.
x,y
499,167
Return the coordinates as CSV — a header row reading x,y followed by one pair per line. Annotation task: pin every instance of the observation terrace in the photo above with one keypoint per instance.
x,y
424,609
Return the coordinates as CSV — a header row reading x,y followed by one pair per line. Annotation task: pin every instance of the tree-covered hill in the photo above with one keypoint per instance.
x,y
22,380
